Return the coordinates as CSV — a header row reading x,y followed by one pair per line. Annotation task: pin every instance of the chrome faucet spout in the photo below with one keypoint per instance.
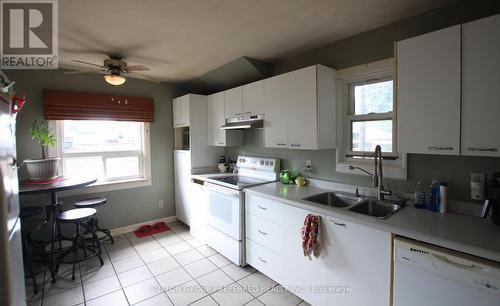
x,y
379,175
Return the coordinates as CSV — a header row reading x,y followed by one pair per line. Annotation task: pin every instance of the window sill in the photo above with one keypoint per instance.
x,y
110,186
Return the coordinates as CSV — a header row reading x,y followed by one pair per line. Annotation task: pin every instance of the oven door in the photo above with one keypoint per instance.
x,y
225,208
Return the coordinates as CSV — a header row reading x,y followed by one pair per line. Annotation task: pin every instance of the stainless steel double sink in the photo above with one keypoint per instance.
x,y
381,209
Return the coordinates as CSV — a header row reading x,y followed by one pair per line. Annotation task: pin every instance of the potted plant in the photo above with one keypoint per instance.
x,y
44,168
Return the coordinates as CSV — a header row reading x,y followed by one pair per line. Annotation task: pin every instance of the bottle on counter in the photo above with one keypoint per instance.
x,y
434,196
420,195
443,197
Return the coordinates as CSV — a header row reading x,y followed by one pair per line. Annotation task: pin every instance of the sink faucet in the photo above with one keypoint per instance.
x,y
377,175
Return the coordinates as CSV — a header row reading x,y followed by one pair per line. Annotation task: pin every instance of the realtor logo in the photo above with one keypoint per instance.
x,y
29,37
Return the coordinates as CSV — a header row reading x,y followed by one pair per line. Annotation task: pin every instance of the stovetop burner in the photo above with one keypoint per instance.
x,y
236,180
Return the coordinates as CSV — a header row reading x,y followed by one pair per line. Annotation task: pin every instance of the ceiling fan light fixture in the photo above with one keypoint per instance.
x,y
114,79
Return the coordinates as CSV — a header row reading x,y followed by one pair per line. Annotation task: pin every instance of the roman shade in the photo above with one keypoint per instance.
x,y
69,105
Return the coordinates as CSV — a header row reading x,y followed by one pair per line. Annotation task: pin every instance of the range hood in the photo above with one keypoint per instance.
x,y
243,123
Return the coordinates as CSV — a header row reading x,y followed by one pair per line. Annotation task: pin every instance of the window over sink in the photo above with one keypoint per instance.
x,y
367,118
117,152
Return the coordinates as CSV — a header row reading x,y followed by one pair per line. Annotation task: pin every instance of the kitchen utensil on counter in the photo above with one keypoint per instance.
x,y
222,168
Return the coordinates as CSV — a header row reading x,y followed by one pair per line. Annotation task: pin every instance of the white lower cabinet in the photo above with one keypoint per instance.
x,y
301,275
357,264
264,260
354,266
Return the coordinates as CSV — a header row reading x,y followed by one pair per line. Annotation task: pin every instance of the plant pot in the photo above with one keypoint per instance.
x,y
42,169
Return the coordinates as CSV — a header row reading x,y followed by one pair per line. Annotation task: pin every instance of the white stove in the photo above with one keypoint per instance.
x,y
226,203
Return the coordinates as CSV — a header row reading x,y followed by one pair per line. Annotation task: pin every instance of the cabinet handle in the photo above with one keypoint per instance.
x,y
246,113
281,144
295,145
221,143
483,149
441,148
262,207
337,223
262,233
262,259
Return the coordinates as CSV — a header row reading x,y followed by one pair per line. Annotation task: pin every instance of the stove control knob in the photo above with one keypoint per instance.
x,y
262,163
271,163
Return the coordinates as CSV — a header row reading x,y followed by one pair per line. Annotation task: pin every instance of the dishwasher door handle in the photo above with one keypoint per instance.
x,y
446,260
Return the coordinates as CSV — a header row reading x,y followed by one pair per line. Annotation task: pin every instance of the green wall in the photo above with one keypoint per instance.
x,y
124,207
364,48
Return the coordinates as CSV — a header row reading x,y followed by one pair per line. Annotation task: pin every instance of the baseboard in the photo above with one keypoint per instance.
x,y
130,228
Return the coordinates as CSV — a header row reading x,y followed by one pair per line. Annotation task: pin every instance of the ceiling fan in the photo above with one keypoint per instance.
x,y
114,70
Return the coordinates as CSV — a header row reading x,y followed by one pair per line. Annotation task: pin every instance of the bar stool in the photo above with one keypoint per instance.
x,y
93,203
79,217
31,222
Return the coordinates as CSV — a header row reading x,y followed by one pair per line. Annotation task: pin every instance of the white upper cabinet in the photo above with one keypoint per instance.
x,y
253,98
180,111
300,109
428,93
216,119
176,112
358,257
185,110
480,82
233,102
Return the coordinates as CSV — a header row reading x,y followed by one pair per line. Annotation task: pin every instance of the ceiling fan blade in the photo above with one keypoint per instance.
x,y
142,76
137,68
82,62
82,71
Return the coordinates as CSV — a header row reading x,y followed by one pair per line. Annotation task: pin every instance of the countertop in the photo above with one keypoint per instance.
x,y
467,234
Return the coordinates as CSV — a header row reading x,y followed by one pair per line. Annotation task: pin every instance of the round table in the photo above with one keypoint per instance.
x,y
27,188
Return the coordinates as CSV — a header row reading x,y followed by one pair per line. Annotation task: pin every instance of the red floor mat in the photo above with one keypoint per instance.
x,y
148,230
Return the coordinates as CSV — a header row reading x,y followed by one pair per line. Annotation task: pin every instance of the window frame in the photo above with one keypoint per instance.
x,y
350,117
144,154
395,164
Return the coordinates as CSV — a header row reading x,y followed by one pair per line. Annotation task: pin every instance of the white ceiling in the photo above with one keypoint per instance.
x,y
183,39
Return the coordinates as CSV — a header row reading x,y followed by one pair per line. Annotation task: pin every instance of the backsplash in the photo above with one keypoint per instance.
x,y
452,169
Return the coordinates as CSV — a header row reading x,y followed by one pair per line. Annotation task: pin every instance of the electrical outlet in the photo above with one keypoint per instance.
x,y
160,204
477,182
309,165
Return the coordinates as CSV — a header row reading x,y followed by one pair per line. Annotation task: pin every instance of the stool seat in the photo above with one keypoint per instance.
x,y
93,202
30,212
76,215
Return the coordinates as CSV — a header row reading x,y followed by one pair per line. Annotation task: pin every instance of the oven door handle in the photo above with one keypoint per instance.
x,y
221,189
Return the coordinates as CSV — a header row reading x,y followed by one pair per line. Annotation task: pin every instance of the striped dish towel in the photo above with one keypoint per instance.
x,y
310,235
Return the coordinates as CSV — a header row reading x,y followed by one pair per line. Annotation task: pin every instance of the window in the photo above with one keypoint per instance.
x,y
366,97
369,117
113,151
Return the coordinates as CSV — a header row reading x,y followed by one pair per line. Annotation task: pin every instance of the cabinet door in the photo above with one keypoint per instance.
x,y
357,264
480,80
233,102
184,106
275,122
299,271
302,109
253,98
215,111
180,212
428,93
176,112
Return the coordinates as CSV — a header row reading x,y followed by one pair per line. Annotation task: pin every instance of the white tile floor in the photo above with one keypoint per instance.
x,y
171,268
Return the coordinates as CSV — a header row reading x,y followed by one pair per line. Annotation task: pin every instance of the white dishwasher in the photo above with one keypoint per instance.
x,y
428,275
